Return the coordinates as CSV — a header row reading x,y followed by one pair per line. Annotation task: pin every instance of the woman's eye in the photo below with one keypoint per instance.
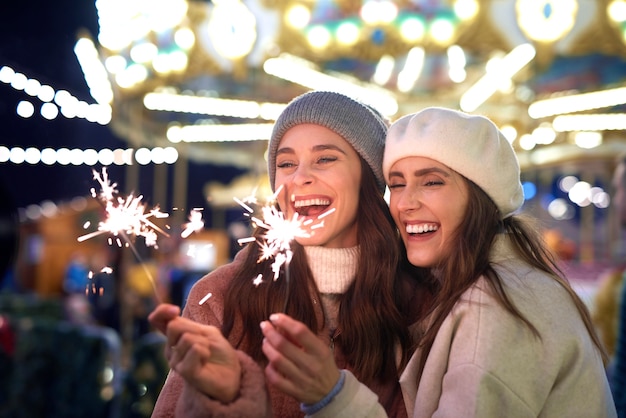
x,y
285,164
433,183
395,186
326,159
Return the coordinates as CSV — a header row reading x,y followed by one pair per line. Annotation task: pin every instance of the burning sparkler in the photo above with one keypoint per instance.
x,y
280,232
124,216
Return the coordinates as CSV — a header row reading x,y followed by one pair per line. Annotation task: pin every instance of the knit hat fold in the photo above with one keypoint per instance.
x,y
471,145
359,124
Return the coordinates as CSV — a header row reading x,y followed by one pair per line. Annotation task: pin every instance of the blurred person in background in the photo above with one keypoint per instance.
x,y
610,301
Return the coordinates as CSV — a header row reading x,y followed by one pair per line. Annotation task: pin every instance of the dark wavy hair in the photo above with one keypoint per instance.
x,y
369,318
469,260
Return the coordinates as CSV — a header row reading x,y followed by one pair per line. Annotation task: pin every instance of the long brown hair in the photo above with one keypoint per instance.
x,y
469,260
369,316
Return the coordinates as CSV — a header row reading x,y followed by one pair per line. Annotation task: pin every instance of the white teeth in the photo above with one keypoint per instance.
x,y
312,202
420,229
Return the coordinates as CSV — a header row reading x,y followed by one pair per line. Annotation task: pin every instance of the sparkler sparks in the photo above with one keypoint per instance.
x,y
195,223
276,241
280,232
125,216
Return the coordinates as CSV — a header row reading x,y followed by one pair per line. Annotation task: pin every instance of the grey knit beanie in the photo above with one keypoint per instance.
x,y
359,124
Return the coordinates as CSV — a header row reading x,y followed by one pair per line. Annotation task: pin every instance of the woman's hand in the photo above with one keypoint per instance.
x,y
300,364
199,353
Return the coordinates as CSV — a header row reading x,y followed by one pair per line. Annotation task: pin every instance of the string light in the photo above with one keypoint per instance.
x,y
90,157
64,104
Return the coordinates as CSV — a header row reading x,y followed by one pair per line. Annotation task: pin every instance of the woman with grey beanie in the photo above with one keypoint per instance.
x,y
338,346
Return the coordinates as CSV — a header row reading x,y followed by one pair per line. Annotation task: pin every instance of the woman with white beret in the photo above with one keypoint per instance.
x,y
506,335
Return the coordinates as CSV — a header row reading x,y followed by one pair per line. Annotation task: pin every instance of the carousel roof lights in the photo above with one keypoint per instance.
x,y
131,76
588,140
384,70
466,9
591,122
298,16
348,33
442,30
376,12
123,22
571,103
172,102
617,11
457,63
319,36
412,28
184,38
305,73
115,64
498,73
220,133
413,66
94,71
546,21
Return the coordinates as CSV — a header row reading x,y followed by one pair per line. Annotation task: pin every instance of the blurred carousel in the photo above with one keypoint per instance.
x,y
210,77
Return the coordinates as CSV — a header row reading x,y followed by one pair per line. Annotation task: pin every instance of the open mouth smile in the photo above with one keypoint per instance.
x,y
419,229
310,207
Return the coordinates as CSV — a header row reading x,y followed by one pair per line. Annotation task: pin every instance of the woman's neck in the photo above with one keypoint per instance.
x,y
333,269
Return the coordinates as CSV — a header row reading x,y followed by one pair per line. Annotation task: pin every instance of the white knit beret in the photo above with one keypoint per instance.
x,y
470,145
359,124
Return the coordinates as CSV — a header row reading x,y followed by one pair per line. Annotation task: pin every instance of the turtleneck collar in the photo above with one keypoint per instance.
x,y
333,269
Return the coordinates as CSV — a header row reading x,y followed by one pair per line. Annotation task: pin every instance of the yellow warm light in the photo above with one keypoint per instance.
x,y
305,73
577,103
348,33
617,11
539,27
466,9
412,29
298,16
442,31
220,133
595,122
319,37
498,74
377,12
212,106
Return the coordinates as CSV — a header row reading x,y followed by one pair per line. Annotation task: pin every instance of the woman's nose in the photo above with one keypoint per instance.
x,y
302,175
408,201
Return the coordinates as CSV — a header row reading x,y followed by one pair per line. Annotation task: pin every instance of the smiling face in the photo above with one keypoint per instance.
x,y
320,173
428,201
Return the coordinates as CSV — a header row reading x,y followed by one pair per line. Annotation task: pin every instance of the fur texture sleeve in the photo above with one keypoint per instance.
x,y
252,402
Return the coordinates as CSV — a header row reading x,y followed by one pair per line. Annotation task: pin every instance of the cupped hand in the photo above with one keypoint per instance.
x,y
199,353
300,364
